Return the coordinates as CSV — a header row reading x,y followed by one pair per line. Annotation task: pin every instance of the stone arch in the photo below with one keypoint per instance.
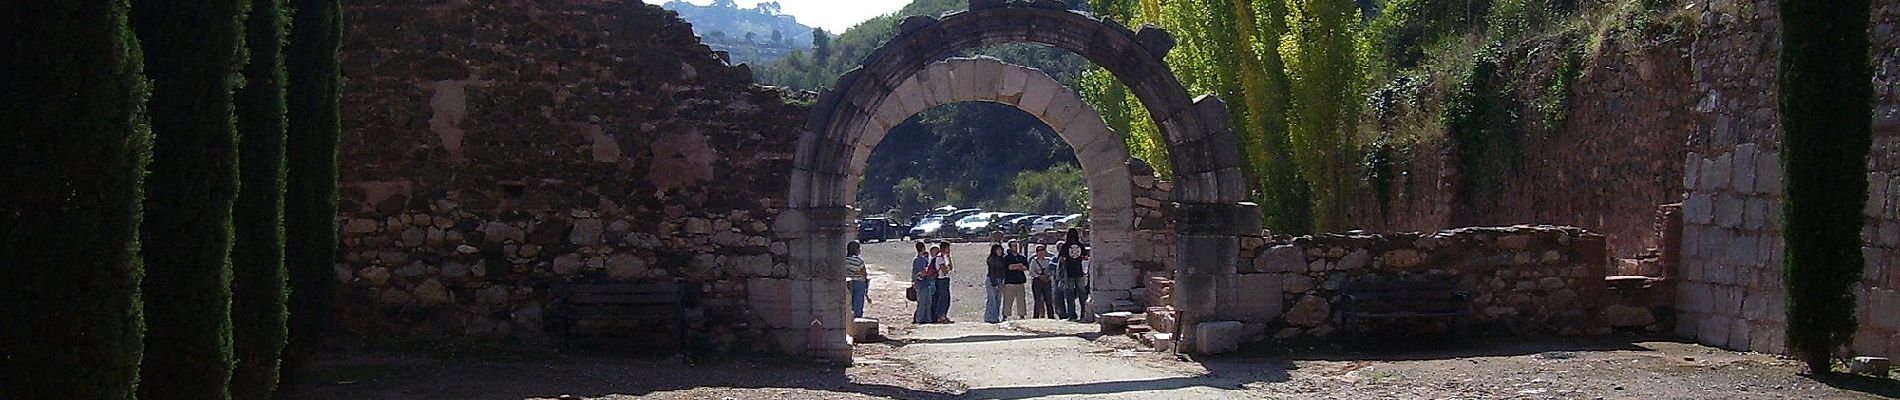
x,y
1210,187
1101,152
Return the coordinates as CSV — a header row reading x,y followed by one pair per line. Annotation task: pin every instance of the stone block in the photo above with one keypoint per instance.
x,y
1715,173
1688,324
1037,94
1877,196
1309,311
1742,178
1694,297
1728,210
1715,331
1691,170
1699,208
1217,337
1883,308
864,330
1768,173
1253,298
1738,335
1208,255
1725,300
1877,367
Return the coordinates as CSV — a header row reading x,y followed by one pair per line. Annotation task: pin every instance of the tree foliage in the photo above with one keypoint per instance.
x,y
1826,107
193,52
73,148
1324,74
258,288
314,87
1229,48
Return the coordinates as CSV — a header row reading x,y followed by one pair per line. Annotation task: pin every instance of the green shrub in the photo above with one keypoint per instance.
x,y
73,149
315,82
193,51
257,255
1826,108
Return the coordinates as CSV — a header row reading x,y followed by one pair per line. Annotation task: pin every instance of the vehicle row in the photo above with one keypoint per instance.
x,y
975,223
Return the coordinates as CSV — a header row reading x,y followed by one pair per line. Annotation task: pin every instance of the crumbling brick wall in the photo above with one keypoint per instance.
x,y
494,148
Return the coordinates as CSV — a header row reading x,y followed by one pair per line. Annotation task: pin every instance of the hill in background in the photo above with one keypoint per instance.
x,y
758,35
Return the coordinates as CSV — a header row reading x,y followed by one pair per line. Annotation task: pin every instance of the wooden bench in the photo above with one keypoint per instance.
x,y
665,301
1369,302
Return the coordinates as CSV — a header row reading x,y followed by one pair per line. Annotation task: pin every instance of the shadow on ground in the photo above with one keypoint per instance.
x,y
399,377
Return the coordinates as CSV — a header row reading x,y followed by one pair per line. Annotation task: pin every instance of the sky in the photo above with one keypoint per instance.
x,y
832,15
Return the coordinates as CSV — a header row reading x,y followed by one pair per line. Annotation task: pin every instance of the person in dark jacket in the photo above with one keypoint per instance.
x,y
1042,268
923,274
993,284
1013,280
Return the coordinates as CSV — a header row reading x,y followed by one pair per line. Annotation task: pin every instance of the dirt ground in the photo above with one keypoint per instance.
x,y
1053,359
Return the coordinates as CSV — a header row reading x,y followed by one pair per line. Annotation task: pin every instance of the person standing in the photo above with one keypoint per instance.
x,y
1013,281
856,277
923,274
998,265
1042,269
1070,282
941,305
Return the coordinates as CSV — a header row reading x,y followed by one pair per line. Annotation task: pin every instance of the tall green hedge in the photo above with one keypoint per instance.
x,y
193,51
1827,128
73,149
258,290
316,31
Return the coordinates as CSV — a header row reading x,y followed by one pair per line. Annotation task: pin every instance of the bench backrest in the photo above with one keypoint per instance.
x,y
620,294
1421,296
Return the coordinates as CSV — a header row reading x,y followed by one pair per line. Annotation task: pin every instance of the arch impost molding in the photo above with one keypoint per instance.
x,y
1208,219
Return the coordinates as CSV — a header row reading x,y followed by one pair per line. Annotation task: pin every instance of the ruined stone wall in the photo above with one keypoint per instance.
x,y
1605,169
1730,292
1522,280
492,149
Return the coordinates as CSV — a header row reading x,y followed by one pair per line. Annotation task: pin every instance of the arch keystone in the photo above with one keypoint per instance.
x,y
915,23
1156,40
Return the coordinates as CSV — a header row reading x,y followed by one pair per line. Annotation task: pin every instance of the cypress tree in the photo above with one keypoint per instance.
x,y
257,255
73,148
193,51
1826,132
315,82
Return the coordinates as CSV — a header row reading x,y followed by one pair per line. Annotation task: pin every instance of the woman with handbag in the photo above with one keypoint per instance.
x,y
923,284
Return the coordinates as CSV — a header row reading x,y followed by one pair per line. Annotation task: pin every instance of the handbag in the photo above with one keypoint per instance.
x,y
910,293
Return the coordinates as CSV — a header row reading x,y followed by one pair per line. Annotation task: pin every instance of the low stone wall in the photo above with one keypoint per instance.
x,y
1521,280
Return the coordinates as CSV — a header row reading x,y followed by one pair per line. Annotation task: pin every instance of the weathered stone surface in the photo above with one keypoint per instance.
x,y
1217,337
1622,316
1284,258
1309,311
431,292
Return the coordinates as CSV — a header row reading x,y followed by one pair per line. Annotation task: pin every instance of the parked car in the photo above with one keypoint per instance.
x,y
1018,225
879,229
976,224
1061,223
997,224
929,227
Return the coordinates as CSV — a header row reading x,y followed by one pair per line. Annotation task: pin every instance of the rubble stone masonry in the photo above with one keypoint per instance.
x,y
494,148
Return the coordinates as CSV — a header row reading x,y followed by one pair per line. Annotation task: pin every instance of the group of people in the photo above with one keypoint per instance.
x,y
1058,282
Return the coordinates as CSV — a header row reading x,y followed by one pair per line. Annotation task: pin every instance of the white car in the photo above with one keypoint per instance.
x,y
929,227
976,224
1056,223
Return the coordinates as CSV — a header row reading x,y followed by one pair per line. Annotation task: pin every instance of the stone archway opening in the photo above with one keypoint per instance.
x,y
914,70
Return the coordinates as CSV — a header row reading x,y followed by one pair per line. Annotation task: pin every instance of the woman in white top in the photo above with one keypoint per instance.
x,y
857,278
